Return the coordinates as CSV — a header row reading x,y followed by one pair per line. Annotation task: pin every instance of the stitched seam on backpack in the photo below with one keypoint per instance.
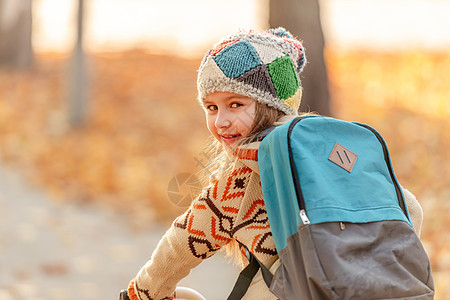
x,y
355,210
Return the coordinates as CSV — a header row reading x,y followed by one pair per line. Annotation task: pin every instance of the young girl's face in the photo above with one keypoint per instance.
x,y
229,116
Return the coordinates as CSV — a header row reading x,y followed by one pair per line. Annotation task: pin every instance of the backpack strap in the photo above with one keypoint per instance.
x,y
263,134
247,274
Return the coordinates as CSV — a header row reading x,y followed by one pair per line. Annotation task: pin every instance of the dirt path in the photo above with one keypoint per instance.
x,y
60,251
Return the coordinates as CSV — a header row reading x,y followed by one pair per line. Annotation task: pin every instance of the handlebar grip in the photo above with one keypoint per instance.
x,y
188,293
123,295
182,292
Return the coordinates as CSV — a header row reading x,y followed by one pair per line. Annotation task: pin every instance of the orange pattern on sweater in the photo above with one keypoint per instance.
x,y
231,208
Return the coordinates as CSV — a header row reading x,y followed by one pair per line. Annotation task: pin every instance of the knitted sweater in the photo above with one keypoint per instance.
x,y
230,208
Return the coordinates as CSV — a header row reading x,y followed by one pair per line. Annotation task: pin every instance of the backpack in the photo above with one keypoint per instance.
x,y
337,215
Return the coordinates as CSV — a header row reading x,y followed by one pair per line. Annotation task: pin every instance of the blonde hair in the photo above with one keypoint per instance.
x,y
220,161
265,116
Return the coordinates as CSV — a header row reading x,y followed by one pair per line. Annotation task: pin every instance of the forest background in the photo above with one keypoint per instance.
x,y
140,132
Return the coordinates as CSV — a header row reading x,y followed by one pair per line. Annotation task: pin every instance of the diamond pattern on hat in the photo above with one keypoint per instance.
x,y
211,70
284,77
267,53
220,47
204,59
259,78
294,101
236,59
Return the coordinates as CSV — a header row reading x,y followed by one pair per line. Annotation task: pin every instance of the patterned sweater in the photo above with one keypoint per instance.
x,y
231,208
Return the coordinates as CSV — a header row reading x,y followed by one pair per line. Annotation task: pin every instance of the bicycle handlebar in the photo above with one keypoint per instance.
x,y
123,295
188,293
180,293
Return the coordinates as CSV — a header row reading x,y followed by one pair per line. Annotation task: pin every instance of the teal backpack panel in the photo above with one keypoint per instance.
x,y
327,190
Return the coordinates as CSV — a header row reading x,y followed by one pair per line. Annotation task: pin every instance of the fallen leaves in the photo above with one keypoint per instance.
x,y
54,269
145,127
125,155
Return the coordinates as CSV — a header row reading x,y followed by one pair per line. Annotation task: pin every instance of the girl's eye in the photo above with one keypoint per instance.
x,y
235,105
211,107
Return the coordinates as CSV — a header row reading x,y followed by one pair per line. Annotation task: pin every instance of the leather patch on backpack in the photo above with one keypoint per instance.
x,y
343,157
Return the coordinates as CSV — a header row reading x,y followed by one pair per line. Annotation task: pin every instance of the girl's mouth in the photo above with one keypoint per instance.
x,y
230,138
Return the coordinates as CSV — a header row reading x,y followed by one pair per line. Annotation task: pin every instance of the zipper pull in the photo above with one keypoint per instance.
x,y
304,217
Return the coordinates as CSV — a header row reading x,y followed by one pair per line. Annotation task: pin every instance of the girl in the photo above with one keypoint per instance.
x,y
246,83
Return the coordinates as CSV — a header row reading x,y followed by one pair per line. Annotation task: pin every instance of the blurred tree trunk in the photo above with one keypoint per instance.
x,y
78,83
302,19
15,34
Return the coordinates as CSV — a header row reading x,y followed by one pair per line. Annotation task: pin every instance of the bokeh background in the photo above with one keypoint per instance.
x,y
98,106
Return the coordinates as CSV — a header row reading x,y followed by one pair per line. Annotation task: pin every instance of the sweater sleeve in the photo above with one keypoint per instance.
x,y
414,209
191,238
170,262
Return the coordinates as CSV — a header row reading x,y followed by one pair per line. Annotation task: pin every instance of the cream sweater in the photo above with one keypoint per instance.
x,y
231,208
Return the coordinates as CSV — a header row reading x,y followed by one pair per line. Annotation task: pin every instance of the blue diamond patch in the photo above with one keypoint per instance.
x,y
236,59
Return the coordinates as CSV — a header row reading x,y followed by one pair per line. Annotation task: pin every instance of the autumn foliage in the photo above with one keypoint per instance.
x,y
145,127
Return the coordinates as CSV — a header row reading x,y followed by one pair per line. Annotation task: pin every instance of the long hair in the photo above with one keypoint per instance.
x,y
221,162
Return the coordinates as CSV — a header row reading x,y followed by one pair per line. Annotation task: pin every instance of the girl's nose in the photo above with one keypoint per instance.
x,y
223,120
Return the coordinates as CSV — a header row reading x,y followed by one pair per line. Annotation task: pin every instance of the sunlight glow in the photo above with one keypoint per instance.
x,y
387,24
188,28
174,26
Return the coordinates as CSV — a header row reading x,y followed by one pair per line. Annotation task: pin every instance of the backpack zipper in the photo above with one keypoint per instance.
x,y
389,165
298,190
304,217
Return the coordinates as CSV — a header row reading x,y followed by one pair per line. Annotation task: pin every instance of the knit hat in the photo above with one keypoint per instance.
x,y
262,65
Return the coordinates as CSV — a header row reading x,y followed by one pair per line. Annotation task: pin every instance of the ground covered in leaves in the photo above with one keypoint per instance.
x,y
145,128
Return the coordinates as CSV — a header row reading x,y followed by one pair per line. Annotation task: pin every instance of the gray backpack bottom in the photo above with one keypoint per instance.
x,y
378,260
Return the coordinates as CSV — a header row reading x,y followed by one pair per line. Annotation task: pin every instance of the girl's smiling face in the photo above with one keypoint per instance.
x,y
229,116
